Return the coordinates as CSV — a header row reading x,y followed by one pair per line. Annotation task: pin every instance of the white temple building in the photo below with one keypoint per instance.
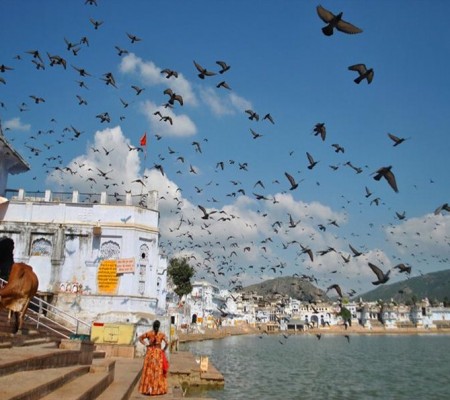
x,y
95,255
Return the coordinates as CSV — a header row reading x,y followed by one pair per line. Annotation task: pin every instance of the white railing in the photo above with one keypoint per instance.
x,y
53,318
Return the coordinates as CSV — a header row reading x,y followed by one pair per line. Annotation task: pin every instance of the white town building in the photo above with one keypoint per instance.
x,y
96,256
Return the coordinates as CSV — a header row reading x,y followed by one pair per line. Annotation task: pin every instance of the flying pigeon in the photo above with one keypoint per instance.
x,y
335,21
382,277
337,288
396,139
388,175
291,180
203,71
223,66
363,71
319,129
403,268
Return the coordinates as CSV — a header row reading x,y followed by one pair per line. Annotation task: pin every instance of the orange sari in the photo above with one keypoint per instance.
x,y
154,378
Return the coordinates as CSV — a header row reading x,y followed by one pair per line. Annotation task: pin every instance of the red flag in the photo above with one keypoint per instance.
x,y
143,141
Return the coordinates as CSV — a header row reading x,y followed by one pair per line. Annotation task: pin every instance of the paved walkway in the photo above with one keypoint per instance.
x,y
182,364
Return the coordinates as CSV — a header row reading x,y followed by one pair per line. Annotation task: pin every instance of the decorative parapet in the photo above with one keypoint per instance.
x,y
145,200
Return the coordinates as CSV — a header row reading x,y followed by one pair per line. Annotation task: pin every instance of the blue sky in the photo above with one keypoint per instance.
x,y
282,65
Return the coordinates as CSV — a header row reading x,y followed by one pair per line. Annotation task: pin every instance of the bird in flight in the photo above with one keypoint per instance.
x,y
292,223
403,268
205,213
396,139
255,135
252,115
133,38
335,21
312,163
386,173
81,71
137,89
319,129
441,208
203,71
337,288
355,252
292,181
37,100
35,54
307,250
169,73
173,97
338,148
363,71
95,23
223,66
269,118
382,277
109,79
120,51
224,85
4,68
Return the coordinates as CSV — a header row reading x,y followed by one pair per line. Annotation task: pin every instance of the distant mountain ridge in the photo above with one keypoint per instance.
x,y
435,286
291,286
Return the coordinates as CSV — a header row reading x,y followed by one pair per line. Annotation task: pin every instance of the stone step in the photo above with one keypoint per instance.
x,y
88,386
16,359
126,378
31,327
33,385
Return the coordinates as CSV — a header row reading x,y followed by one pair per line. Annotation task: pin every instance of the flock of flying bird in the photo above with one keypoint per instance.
x,y
201,247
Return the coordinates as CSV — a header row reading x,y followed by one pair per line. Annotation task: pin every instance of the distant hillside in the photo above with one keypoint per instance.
x,y
435,286
294,287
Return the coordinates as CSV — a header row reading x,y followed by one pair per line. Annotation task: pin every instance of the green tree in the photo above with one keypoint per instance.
x,y
181,273
346,316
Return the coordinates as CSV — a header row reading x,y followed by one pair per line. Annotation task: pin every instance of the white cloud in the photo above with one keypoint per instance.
x,y
218,105
415,237
223,103
150,74
239,102
129,63
120,166
181,125
15,124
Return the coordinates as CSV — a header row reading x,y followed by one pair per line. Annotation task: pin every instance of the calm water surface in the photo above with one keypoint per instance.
x,y
303,367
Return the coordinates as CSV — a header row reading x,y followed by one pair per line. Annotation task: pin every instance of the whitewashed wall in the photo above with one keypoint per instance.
x,y
58,241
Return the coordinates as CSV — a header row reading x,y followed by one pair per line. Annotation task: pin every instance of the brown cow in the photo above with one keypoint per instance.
x,y
17,293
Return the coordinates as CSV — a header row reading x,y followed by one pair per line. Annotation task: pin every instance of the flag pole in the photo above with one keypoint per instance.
x,y
143,143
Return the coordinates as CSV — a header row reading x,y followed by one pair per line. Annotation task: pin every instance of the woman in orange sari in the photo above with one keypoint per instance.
x,y
154,373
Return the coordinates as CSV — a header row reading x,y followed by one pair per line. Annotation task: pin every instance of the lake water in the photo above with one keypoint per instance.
x,y
303,367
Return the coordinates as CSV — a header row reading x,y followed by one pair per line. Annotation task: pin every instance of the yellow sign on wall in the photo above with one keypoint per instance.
x,y
107,279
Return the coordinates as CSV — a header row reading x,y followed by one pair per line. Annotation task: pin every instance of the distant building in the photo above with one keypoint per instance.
x,y
207,304
11,162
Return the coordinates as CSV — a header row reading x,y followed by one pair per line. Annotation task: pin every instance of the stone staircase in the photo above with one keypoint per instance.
x,y
40,365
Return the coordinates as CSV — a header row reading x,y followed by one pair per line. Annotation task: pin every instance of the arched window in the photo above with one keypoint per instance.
x,y
110,250
142,267
41,247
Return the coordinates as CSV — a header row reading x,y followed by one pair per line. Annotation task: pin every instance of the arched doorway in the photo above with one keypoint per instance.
x,y
6,257
194,319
